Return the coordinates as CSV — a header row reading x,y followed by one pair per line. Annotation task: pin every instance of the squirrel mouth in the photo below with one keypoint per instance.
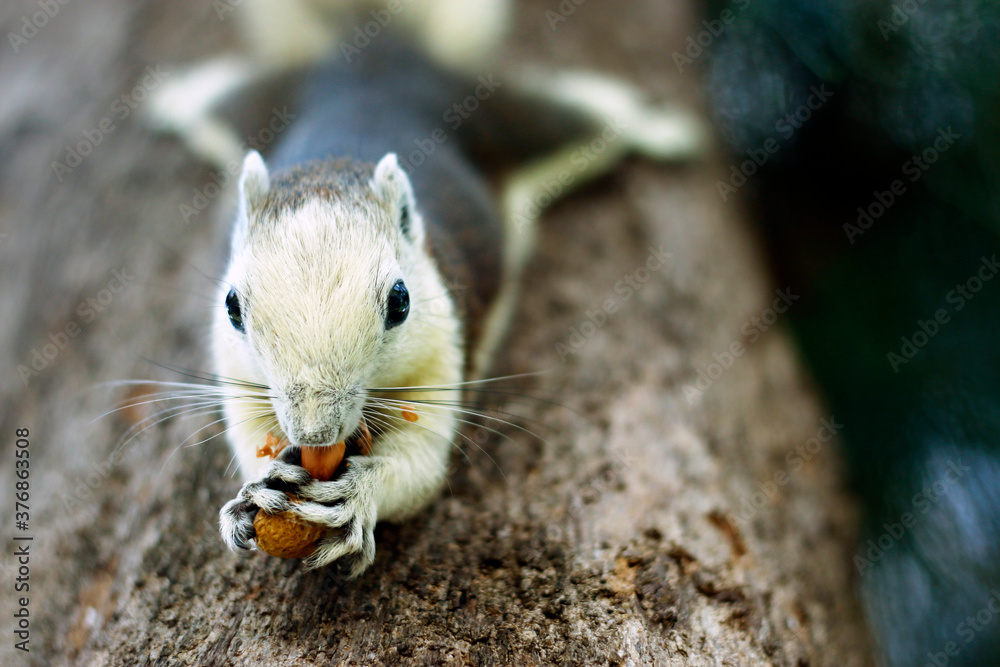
x,y
361,439
358,442
324,462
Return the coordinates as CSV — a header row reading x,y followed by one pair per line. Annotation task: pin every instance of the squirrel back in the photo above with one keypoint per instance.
x,y
352,111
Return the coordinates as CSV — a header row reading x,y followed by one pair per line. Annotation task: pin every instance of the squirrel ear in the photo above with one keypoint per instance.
x,y
255,181
254,186
392,185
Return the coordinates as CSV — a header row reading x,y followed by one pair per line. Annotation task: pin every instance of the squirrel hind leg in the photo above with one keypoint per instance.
x,y
665,133
217,108
570,112
562,115
584,124
184,106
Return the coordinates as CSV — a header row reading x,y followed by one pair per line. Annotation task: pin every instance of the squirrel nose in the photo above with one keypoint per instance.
x,y
314,438
317,415
315,418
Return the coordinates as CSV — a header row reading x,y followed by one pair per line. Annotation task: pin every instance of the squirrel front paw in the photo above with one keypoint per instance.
x,y
269,493
347,504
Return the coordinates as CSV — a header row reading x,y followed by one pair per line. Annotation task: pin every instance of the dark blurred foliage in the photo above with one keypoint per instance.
x,y
900,311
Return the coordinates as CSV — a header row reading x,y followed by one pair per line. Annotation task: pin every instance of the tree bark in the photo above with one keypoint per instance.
x,y
650,520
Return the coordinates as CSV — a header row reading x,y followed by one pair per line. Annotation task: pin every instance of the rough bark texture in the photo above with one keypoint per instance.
x,y
603,541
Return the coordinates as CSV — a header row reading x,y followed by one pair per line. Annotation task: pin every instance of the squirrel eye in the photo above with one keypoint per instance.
x,y
398,306
235,314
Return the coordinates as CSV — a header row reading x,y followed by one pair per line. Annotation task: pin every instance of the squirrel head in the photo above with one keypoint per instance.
x,y
330,291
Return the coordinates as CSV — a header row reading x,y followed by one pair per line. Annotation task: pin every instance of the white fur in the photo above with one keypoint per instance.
x,y
183,106
313,284
659,132
463,34
255,183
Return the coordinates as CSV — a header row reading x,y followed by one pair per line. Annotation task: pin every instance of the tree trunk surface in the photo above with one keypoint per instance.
x,y
642,523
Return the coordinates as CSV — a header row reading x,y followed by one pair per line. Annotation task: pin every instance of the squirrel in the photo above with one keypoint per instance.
x,y
372,264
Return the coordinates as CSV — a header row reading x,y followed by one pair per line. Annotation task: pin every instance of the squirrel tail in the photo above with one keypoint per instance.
x,y
460,34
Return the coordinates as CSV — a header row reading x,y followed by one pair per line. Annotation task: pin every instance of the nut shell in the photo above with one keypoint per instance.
x,y
285,535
